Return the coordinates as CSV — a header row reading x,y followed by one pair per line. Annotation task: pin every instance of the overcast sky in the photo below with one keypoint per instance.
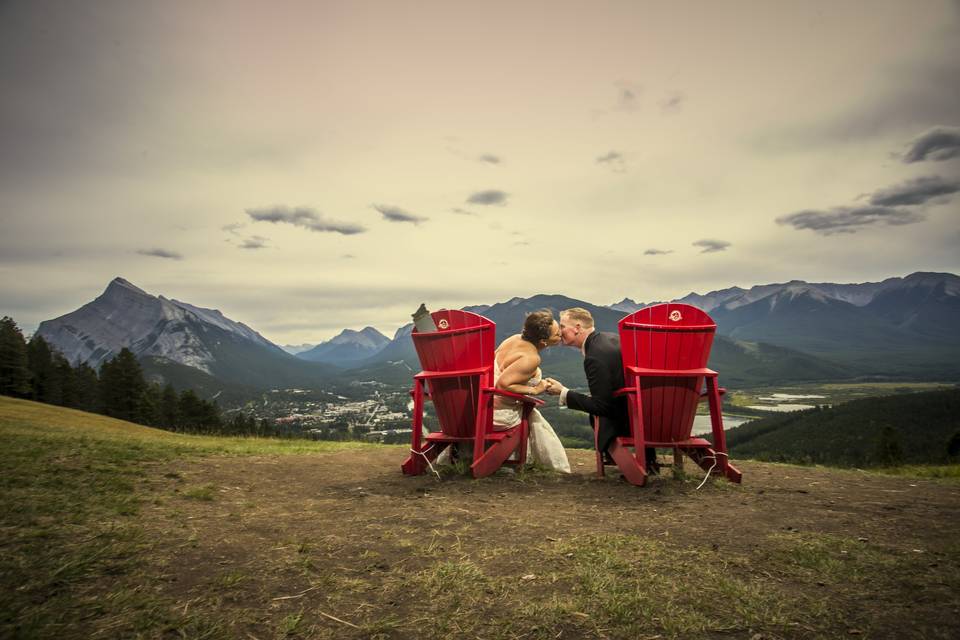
x,y
310,166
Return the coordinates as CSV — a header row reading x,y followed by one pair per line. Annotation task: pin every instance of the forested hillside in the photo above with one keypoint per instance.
x,y
904,429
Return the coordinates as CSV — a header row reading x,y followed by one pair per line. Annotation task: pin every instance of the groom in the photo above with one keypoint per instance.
x,y
603,366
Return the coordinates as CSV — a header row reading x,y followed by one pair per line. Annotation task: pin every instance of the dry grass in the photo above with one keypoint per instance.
x,y
112,530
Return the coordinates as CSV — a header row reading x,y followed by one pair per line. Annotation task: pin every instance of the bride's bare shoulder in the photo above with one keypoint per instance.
x,y
514,350
508,345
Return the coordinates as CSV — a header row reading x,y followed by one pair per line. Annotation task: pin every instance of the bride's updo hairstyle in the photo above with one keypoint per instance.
x,y
538,326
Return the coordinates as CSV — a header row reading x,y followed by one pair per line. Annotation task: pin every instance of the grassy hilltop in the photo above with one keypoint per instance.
x,y
114,530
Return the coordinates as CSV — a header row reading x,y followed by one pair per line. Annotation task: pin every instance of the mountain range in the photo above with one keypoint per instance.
x,y
347,347
176,340
899,326
767,334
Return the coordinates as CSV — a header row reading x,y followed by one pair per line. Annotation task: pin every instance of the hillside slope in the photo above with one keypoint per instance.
x,y
911,428
333,542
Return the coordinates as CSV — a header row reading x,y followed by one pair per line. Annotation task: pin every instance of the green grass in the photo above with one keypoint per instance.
x,y
200,493
949,472
624,586
77,562
71,486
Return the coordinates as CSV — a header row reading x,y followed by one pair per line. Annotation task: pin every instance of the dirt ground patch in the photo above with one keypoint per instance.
x,y
343,545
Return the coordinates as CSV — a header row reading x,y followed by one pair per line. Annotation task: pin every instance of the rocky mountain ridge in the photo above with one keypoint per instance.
x,y
346,347
835,330
157,329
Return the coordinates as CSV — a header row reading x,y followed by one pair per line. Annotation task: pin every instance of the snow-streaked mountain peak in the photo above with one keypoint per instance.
x,y
126,316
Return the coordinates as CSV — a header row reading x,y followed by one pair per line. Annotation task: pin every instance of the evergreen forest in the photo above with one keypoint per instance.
x,y
915,428
34,371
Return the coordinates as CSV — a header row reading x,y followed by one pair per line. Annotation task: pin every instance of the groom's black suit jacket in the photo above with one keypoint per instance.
x,y
603,365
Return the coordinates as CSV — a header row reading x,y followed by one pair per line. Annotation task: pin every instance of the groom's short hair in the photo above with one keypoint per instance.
x,y
579,314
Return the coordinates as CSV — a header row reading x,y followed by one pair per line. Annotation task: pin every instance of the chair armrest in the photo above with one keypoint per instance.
x,y
430,375
537,402
672,373
720,390
627,390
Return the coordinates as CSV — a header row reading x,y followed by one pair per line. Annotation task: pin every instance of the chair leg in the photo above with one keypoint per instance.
x,y
413,465
524,440
677,459
416,463
708,459
629,466
487,462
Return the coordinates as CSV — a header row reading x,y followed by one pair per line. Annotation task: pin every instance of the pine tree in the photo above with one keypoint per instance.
x,y
122,386
211,416
191,410
953,446
169,408
87,386
151,405
265,428
14,369
44,377
67,379
889,452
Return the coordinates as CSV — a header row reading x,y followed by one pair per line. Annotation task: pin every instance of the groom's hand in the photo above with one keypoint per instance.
x,y
554,387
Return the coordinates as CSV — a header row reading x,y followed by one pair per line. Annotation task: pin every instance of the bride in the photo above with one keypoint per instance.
x,y
516,368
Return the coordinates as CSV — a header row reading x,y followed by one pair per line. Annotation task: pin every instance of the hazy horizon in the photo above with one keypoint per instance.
x,y
392,330
314,166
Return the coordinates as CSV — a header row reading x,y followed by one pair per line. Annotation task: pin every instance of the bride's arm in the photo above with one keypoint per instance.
x,y
518,373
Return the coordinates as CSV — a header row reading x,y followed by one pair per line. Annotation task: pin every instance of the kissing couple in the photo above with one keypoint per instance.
x,y
516,368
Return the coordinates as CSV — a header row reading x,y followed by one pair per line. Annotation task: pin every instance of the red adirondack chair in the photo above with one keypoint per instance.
x,y
457,377
665,350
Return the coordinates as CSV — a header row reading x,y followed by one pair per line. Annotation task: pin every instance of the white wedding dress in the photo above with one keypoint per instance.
x,y
543,445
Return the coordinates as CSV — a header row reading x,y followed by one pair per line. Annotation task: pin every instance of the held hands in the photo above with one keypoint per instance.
x,y
554,387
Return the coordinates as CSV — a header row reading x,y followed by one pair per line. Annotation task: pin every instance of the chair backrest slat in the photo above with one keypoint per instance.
x,y
671,337
463,340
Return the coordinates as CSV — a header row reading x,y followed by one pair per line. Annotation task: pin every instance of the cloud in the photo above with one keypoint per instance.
x,y
302,217
489,158
913,95
233,228
711,246
939,143
254,242
848,219
914,192
628,96
489,197
658,252
396,214
614,160
160,253
673,103
462,212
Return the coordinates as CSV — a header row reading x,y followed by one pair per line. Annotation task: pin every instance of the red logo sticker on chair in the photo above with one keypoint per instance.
x,y
675,316
443,324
